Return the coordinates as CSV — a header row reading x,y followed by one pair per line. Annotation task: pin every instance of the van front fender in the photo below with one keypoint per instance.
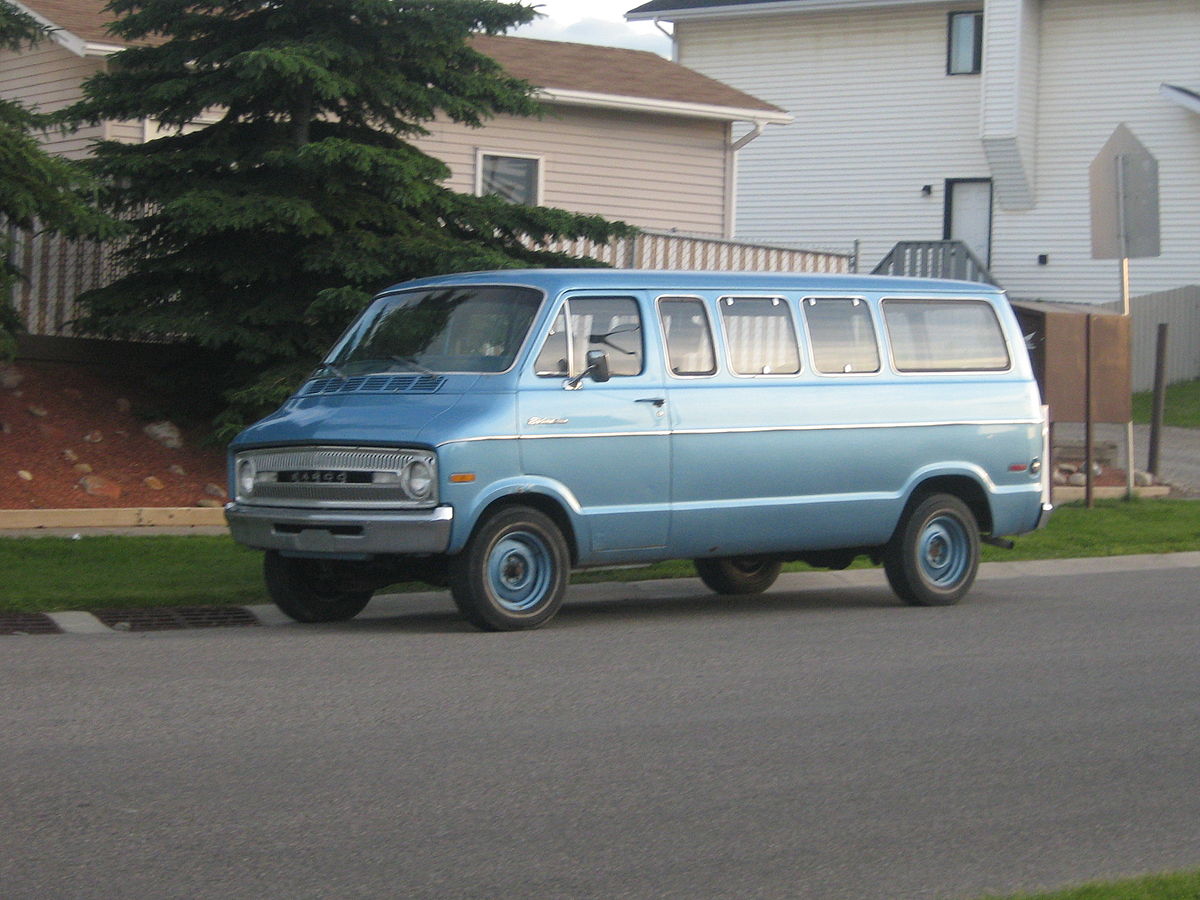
x,y
538,491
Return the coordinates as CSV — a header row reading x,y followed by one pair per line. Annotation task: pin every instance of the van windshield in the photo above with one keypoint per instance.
x,y
452,329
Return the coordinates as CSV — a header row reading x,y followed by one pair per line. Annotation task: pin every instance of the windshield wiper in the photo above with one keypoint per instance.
x,y
412,363
330,367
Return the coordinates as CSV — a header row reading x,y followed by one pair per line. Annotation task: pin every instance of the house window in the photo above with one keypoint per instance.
x,y
513,178
965,53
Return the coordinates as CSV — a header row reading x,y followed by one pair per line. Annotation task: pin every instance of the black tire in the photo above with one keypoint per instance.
x,y
933,557
310,590
512,575
738,574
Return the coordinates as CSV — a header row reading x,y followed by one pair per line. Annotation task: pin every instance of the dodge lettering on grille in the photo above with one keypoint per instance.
x,y
324,476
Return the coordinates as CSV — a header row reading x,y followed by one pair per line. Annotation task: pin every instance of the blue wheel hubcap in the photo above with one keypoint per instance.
x,y
944,551
520,571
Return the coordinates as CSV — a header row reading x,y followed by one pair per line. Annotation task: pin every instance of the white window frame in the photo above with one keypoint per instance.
x,y
480,153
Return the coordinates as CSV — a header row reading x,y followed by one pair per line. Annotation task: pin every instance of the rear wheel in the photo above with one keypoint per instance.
x,y
934,555
738,574
311,590
513,572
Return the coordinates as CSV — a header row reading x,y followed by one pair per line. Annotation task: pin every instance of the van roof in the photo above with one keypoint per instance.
x,y
553,281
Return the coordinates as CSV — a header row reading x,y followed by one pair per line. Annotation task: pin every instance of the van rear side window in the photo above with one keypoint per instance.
x,y
945,336
689,341
843,338
760,335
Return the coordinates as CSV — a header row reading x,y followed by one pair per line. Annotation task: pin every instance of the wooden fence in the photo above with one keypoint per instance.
x,y
57,270
1180,310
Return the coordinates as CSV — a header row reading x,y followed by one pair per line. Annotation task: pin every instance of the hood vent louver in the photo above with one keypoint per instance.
x,y
373,384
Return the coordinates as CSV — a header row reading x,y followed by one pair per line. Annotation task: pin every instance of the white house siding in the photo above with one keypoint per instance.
x,y
48,78
1102,64
1008,114
877,118
660,172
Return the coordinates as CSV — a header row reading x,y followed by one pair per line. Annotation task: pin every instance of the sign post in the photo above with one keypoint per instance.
x,y
1125,223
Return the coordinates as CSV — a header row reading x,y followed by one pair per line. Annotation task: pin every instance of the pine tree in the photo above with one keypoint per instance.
x,y
262,233
36,190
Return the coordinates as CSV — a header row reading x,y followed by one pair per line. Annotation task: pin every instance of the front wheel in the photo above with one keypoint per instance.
x,y
738,574
934,555
311,590
512,575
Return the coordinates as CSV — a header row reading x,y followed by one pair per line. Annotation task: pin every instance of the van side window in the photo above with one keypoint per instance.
x,y
689,341
611,324
843,338
552,358
945,336
760,335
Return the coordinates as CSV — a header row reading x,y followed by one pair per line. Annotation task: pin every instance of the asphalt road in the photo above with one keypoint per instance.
x,y
814,744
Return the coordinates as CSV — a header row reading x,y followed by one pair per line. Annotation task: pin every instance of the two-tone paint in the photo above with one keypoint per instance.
x,y
657,466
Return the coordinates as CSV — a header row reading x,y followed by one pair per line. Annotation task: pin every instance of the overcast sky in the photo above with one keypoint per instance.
x,y
595,22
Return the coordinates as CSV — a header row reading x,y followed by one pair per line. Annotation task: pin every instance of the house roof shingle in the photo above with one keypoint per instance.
x,y
554,66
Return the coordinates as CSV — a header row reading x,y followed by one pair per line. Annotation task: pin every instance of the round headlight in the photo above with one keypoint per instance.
x,y
418,479
245,476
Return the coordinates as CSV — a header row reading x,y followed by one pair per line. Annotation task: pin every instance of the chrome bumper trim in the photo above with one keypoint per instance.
x,y
350,532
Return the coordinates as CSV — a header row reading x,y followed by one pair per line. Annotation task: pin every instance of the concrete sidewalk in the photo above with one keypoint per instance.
x,y
392,605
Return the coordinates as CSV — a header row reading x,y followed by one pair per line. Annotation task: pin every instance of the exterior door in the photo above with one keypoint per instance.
x,y
607,443
969,215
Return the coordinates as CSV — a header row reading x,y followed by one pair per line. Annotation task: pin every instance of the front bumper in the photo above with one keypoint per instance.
x,y
348,533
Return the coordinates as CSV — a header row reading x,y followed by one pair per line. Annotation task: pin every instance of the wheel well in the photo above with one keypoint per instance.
x,y
542,503
965,489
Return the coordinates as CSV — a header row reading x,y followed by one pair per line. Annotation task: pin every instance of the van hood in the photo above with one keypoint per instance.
x,y
367,418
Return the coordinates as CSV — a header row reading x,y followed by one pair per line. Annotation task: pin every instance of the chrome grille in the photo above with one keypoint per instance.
x,y
379,462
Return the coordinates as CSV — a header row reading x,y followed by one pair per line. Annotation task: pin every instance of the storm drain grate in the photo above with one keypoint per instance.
x,y
27,623
167,619
216,616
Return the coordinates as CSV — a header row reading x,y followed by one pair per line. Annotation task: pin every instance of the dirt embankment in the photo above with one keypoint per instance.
x,y
72,436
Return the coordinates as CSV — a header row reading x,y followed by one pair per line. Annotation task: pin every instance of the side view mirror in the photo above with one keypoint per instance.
x,y
596,368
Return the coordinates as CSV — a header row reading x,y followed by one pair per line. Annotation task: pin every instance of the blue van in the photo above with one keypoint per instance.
x,y
493,431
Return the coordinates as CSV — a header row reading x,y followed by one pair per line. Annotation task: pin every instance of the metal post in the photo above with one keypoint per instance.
x,y
1088,437
1160,397
1122,231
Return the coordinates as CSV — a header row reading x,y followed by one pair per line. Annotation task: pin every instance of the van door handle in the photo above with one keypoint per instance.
x,y
657,401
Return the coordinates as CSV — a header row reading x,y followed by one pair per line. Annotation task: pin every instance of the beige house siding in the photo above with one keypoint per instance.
x,y
48,78
651,171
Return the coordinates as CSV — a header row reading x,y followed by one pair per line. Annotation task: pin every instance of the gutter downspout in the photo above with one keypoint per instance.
x,y
731,177
670,34
747,137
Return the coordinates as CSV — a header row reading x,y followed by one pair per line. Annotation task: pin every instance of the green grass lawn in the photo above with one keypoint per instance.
x,y
1176,886
1181,407
111,572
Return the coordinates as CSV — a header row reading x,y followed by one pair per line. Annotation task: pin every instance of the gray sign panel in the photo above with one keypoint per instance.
x,y
1124,191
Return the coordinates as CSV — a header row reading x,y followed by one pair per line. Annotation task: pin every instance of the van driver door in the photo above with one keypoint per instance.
x,y
606,442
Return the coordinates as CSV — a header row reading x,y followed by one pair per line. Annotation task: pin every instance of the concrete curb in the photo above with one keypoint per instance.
x,y
140,517
388,606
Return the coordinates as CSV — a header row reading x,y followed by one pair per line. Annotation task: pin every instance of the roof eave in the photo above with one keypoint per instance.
x,y
664,107
69,40
1181,96
763,9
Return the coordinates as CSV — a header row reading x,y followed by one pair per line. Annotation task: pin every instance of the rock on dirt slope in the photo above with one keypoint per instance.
x,y
73,436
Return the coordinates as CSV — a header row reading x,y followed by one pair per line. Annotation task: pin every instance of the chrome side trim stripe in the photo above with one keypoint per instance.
x,y
983,423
